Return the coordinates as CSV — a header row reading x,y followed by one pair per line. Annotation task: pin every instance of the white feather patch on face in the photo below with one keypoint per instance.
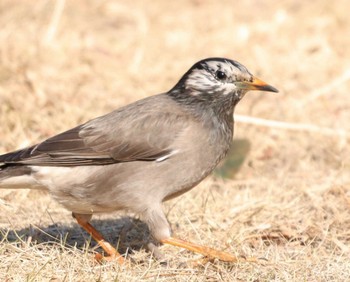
x,y
205,80
228,88
200,80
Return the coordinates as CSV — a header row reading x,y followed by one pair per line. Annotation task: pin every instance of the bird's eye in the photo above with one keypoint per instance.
x,y
220,75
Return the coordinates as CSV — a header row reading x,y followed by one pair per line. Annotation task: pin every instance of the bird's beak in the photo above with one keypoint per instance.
x,y
256,84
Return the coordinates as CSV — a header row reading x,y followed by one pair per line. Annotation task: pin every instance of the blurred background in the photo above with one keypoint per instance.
x,y
65,62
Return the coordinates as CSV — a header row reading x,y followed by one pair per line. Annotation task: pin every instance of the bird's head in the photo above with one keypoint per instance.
x,y
214,79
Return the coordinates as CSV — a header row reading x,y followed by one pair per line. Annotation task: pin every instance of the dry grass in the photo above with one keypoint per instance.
x,y
64,62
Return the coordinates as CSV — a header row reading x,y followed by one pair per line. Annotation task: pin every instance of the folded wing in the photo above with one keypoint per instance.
x,y
139,131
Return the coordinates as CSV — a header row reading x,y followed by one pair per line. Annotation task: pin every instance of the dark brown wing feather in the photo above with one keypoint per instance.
x,y
144,130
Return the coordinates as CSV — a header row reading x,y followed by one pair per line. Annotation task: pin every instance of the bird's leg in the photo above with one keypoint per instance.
x,y
160,230
107,247
204,250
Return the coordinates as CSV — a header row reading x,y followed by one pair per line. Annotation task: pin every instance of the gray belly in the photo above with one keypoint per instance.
x,y
132,185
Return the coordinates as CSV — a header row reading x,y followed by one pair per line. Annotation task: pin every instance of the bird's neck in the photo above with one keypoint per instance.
x,y
207,108
216,114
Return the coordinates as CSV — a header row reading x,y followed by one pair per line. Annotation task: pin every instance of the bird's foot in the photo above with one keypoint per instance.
x,y
114,257
107,247
209,253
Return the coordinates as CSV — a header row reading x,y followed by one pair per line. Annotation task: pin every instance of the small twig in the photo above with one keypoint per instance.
x,y
292,126
56,16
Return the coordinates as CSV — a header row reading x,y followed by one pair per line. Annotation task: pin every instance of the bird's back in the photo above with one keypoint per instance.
x,y
158,144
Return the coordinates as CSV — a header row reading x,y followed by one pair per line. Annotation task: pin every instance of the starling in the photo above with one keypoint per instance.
x,y
142,154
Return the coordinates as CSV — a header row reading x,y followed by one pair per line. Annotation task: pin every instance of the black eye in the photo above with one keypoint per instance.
x,y
220,75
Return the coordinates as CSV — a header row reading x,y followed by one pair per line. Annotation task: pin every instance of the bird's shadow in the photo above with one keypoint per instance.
x,y
126,234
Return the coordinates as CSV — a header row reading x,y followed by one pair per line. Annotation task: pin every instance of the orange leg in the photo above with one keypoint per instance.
x,y
107,247
206,251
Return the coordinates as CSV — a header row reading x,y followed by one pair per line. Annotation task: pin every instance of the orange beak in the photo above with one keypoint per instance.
x,y
256,84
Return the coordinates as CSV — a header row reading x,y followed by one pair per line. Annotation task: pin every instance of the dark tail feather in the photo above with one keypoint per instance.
x,y
10,170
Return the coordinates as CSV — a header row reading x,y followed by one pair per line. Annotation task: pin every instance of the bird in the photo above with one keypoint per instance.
x,y
140,155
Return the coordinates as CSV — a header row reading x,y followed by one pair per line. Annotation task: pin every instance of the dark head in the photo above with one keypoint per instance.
x,y
217,79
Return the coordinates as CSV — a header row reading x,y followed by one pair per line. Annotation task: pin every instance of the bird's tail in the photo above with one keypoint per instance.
x,y
15,176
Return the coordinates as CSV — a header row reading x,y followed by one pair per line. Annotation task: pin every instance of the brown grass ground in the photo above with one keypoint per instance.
x,y
290,201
